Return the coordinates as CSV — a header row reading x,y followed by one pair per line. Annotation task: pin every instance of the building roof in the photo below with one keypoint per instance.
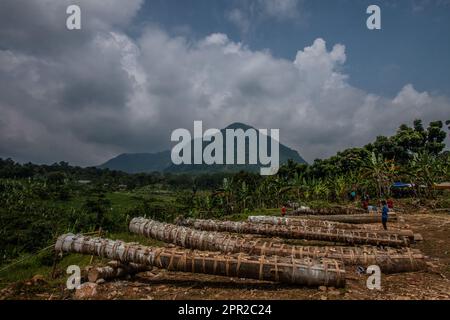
x,y
442,186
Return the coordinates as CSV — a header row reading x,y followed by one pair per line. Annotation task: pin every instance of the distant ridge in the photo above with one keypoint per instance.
x,y
161,161
139,162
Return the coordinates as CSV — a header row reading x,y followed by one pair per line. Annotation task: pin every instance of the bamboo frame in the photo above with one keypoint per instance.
x,y
286,221
326,211
301,232
306,271
390,260
350,218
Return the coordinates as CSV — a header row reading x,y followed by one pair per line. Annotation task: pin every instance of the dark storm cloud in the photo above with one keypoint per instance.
x,y
59,89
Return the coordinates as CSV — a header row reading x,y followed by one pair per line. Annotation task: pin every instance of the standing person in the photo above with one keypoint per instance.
x,y
365,204
384,214
283,211
390,203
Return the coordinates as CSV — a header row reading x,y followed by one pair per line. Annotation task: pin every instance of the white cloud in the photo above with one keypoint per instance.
x,y
319,66
249,13
280,9
408,96
216,39
219,81
240,19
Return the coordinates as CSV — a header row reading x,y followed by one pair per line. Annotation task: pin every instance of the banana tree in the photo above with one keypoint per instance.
x,y
338,186
381,172
243,195
298,183
321,190
227,195
426,170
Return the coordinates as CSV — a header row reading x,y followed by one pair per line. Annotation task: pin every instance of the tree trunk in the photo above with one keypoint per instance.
x,y
326,211
301,232
351,218
389,260
280,269
282,221
114,270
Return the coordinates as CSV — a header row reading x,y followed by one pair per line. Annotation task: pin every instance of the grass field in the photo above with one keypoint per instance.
x,y
28,265
37,276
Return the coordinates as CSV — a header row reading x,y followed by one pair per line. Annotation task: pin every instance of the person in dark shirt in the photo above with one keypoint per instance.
x,y
384,214
365,204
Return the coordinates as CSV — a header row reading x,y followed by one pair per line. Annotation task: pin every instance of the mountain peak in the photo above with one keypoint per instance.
x,y
239,125
161,161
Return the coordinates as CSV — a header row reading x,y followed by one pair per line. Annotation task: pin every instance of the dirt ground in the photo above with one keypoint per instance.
x,y
160,284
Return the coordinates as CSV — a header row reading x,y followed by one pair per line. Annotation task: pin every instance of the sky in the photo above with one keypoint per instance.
x,y
137,70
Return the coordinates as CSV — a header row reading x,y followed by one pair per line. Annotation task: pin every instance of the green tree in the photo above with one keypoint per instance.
x,y
382,173
435,138
425,170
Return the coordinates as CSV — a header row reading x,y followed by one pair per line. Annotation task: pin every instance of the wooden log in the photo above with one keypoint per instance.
x,y
389,260
338,210
305,271
300,232
354,218
283,221
301,221
114,270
